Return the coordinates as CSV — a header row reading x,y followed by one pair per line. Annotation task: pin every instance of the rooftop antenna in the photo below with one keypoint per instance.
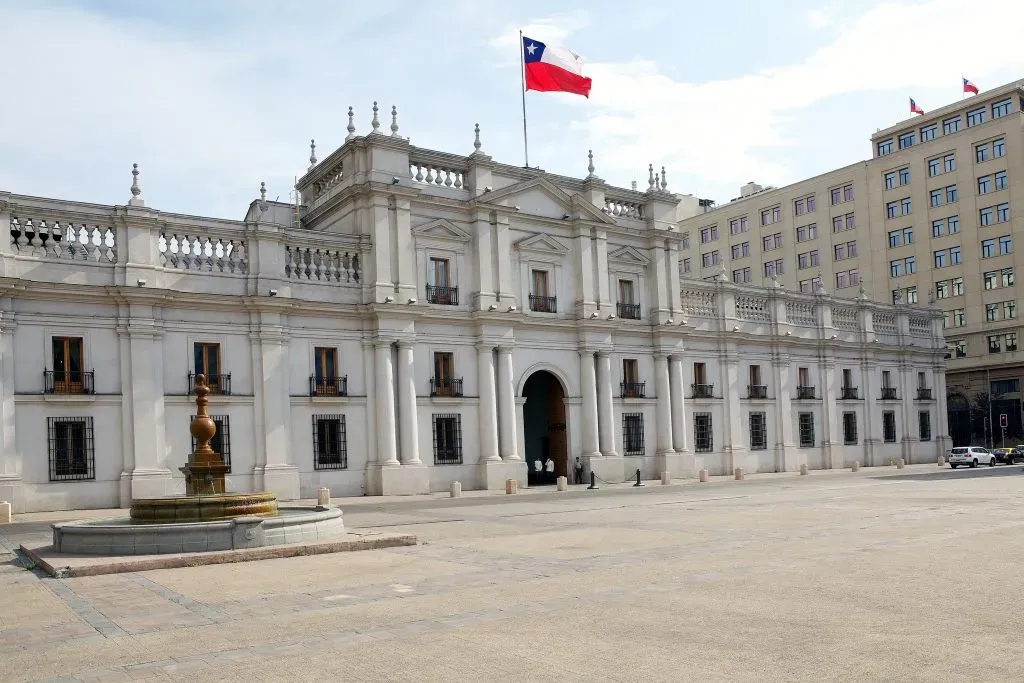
x,y
295,185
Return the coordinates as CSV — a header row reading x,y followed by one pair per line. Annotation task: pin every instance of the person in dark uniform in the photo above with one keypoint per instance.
x,y
578,469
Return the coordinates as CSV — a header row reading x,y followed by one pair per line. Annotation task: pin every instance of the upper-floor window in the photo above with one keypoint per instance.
x,y
325,364
845,250
984,184
847,278
738,225
897,208
1001,108
709,234
741,275
976,116
905,206
1000,180
626,292
1002,212
928,132
444,382
885,147
741,250
772,215
770,242
710,258
951,125
773,268
542,298
69,376
686,241
847,222
687,265
951,194
906,140
207,362
981,152
808,259
807,232
803,205
439,283
998,148
904,175
890,180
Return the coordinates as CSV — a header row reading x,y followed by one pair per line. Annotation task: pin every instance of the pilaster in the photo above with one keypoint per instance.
x,y
508,434
787,457
407,419
405,252
605,409
10,458
830,409
589,422
735,448
503,237
484,242
662,385
488,403
274,470
872,411
585,272
604,302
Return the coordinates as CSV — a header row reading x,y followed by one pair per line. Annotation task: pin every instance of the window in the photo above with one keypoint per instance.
x,y
891,209
942,289
772,215
894,238
988,248
975,117
1001,108
540,298
1002,212
884,148
807,232
630,373
847,222
325,372
741,250
686,241
910,265
889,426
806,423
911,295
906,140
68,363
709,234
849,428
984,184
1006,244
1009,310
1011,341
626,292
807,259
738,225
904,176
998,148
633,433
953,222
940,258
958,317
991,279
1000,183
935,197
447,439
770,242
703,441
896,268
951,125
847,278
949,163
960,347
924,425
1007,277
981,153
933,166
437,274
847,250
938,228
444,382
71,448
687,265
890,180
991,311
710,258
330,443
741,275
957,286
758,431
951,195
995,343
803,205
700,373
811,285
985,216
773,268
905,206
207,362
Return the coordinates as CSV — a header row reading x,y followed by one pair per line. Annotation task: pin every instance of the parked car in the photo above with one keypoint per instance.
x,y
1007,455
1020,451
971,456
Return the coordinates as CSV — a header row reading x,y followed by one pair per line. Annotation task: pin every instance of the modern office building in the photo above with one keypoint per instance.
x,y
421,317
934,214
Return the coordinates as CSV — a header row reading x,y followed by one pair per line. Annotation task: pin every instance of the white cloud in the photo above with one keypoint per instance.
x,y
553,30
721,133
819,18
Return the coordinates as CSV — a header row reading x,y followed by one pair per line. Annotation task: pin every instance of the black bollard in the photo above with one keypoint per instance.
x,y
593,482
638,482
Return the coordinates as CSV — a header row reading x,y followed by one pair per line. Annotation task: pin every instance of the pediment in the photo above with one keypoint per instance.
x,y
630,255
441,229
540,197
542,243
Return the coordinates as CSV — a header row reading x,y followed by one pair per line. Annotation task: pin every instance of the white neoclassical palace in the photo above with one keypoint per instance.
x,y
418,318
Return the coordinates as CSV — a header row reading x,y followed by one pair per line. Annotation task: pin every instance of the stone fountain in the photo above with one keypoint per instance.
x,y
206,517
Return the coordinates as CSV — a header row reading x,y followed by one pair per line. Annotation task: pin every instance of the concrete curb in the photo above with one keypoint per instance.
x,y
68,566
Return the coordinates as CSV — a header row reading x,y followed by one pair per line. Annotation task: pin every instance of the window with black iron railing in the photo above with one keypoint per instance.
x,y
805,393
629,311
328,386
219,384
221,441
633,389
446,386
757,391
888,393
68,381
633,433
443,295
703,390
850,393
924,394
543,304
71,448
448,439
330,442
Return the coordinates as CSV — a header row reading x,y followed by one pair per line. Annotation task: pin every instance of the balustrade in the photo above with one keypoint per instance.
x,y
63,240
202,253
322,265
438,175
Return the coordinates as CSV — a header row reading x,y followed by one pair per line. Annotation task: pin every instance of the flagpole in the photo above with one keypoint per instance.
x,y
522,75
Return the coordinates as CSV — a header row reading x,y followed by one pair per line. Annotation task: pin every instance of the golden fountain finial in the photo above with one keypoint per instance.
x,y
204,473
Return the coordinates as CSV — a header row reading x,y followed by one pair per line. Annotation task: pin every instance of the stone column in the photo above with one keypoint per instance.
x,y
10,460
370,389
508,434
908,393
833,435
735,431
872,410
275,472
387,446
407,422
488,403
605,409
588,383
678,394
940,433
664,405
787,457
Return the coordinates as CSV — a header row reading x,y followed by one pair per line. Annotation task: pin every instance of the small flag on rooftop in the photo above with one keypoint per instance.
x,y
970,87
914,109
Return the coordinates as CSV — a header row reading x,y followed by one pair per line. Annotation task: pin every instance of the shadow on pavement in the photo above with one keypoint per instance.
x,y
949,473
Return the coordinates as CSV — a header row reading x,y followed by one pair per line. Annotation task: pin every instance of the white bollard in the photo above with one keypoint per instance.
x,y
803,468
5,512
702,475
511,486
666,478
562,483
942,461
856,466
900,464
456,489
738,474
323,497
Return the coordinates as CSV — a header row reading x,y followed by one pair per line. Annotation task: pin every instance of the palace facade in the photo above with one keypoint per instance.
x,y
418,318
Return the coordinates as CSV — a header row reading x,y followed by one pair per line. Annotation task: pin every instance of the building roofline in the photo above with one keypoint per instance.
x,y
936,115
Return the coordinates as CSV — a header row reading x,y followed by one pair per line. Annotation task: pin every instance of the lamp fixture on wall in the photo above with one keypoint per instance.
x,y
140,282
272,292
388,299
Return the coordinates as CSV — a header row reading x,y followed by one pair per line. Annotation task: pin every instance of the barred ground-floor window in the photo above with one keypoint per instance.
x,y
633,433
448,439
703,441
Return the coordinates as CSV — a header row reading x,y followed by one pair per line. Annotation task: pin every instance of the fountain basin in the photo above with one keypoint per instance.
x,y
211,508
122,536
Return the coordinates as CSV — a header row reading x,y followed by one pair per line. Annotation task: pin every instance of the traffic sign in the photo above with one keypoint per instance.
x,y
1002,419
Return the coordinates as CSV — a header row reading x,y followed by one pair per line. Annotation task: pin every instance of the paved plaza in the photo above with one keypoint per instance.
x,y
883,574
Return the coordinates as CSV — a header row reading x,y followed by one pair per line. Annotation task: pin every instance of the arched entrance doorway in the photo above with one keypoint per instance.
x,y
544,428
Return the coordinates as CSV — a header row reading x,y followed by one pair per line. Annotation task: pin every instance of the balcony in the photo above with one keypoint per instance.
x,y
757,391
445,386
703,390
924,394
219,384
633,389
543,304
328,386
805,393
850,393
443,295
629,311
68,382
889,393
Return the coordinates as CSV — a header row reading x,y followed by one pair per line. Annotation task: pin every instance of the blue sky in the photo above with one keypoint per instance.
x,y
211,98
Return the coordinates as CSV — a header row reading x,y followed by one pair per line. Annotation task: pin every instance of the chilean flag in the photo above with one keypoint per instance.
x,y
557,69
970,87
914,109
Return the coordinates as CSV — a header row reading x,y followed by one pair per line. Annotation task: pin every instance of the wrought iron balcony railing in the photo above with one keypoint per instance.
x,y
443,295
850,393
757,391
543,304
924,394
68,381
633,389
445,386
805,393
328,386
219,384
629,311
703,390
888,393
